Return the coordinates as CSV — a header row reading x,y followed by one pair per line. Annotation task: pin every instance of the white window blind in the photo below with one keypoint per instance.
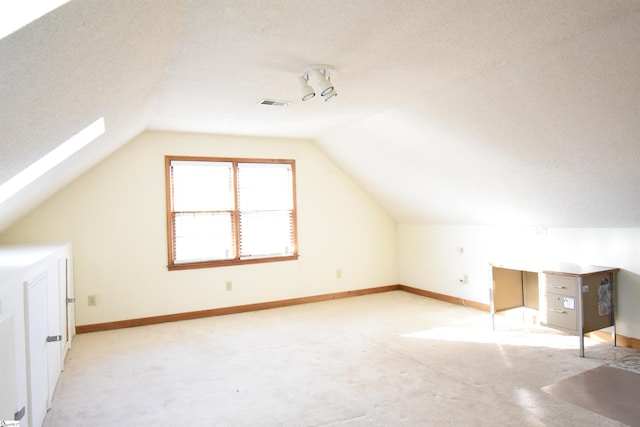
x,y
265,204
202,205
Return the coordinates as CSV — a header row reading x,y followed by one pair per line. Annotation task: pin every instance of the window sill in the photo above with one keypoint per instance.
x,y
226,263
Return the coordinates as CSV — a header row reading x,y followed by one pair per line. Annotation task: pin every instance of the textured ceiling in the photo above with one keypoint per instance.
x,y
470,112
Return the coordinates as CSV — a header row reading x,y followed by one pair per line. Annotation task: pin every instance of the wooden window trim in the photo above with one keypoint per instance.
x,y
237,261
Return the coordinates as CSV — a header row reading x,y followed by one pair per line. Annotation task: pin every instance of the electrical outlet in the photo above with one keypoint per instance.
x,y
228,285
338,274
92,300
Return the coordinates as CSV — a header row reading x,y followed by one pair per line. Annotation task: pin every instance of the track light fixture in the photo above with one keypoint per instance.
x,y
320,76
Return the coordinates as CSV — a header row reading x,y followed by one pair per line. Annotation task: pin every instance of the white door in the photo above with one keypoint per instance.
x,y
66,308
8,389
36,316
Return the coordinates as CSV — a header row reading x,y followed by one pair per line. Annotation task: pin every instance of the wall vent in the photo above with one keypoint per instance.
x,y
273,102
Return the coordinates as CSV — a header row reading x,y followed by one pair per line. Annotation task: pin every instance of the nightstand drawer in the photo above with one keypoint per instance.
x,y
563,285
562,311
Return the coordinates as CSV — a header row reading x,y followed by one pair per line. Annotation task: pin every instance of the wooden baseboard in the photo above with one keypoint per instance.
x,y
621,340
446,298
144,321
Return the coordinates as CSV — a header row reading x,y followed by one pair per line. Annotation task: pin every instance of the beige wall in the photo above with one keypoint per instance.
x,y
115,217
429,258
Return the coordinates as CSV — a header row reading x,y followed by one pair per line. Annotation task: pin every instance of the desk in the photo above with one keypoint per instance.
x,y
578,300
572,298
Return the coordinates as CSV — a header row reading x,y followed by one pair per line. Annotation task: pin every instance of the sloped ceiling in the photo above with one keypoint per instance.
x,y
469,112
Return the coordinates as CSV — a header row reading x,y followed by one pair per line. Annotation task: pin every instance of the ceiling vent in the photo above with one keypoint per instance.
x,y
273,102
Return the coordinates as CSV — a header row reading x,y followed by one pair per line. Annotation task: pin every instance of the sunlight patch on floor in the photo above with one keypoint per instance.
x,y
526,338
446,333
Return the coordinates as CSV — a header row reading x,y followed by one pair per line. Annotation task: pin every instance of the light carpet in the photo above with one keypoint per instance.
x,y
390,359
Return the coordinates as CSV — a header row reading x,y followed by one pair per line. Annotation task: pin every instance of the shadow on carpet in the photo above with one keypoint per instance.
x,y
611,390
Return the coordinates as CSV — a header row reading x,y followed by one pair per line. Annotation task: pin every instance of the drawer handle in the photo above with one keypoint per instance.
x,y
558,287
558,311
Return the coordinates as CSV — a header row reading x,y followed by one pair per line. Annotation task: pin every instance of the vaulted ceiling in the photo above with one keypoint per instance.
x,y
467,112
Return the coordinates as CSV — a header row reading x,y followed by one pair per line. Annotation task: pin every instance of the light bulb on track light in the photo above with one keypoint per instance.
x,y
324,85
306,91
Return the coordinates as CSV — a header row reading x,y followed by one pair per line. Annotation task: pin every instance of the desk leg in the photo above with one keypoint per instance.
x,y
612,280
580,317
492,309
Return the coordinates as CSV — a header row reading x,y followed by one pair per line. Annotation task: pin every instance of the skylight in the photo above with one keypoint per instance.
x,y
15,14
52,159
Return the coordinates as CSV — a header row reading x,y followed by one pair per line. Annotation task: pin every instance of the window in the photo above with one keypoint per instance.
x,y
229,211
